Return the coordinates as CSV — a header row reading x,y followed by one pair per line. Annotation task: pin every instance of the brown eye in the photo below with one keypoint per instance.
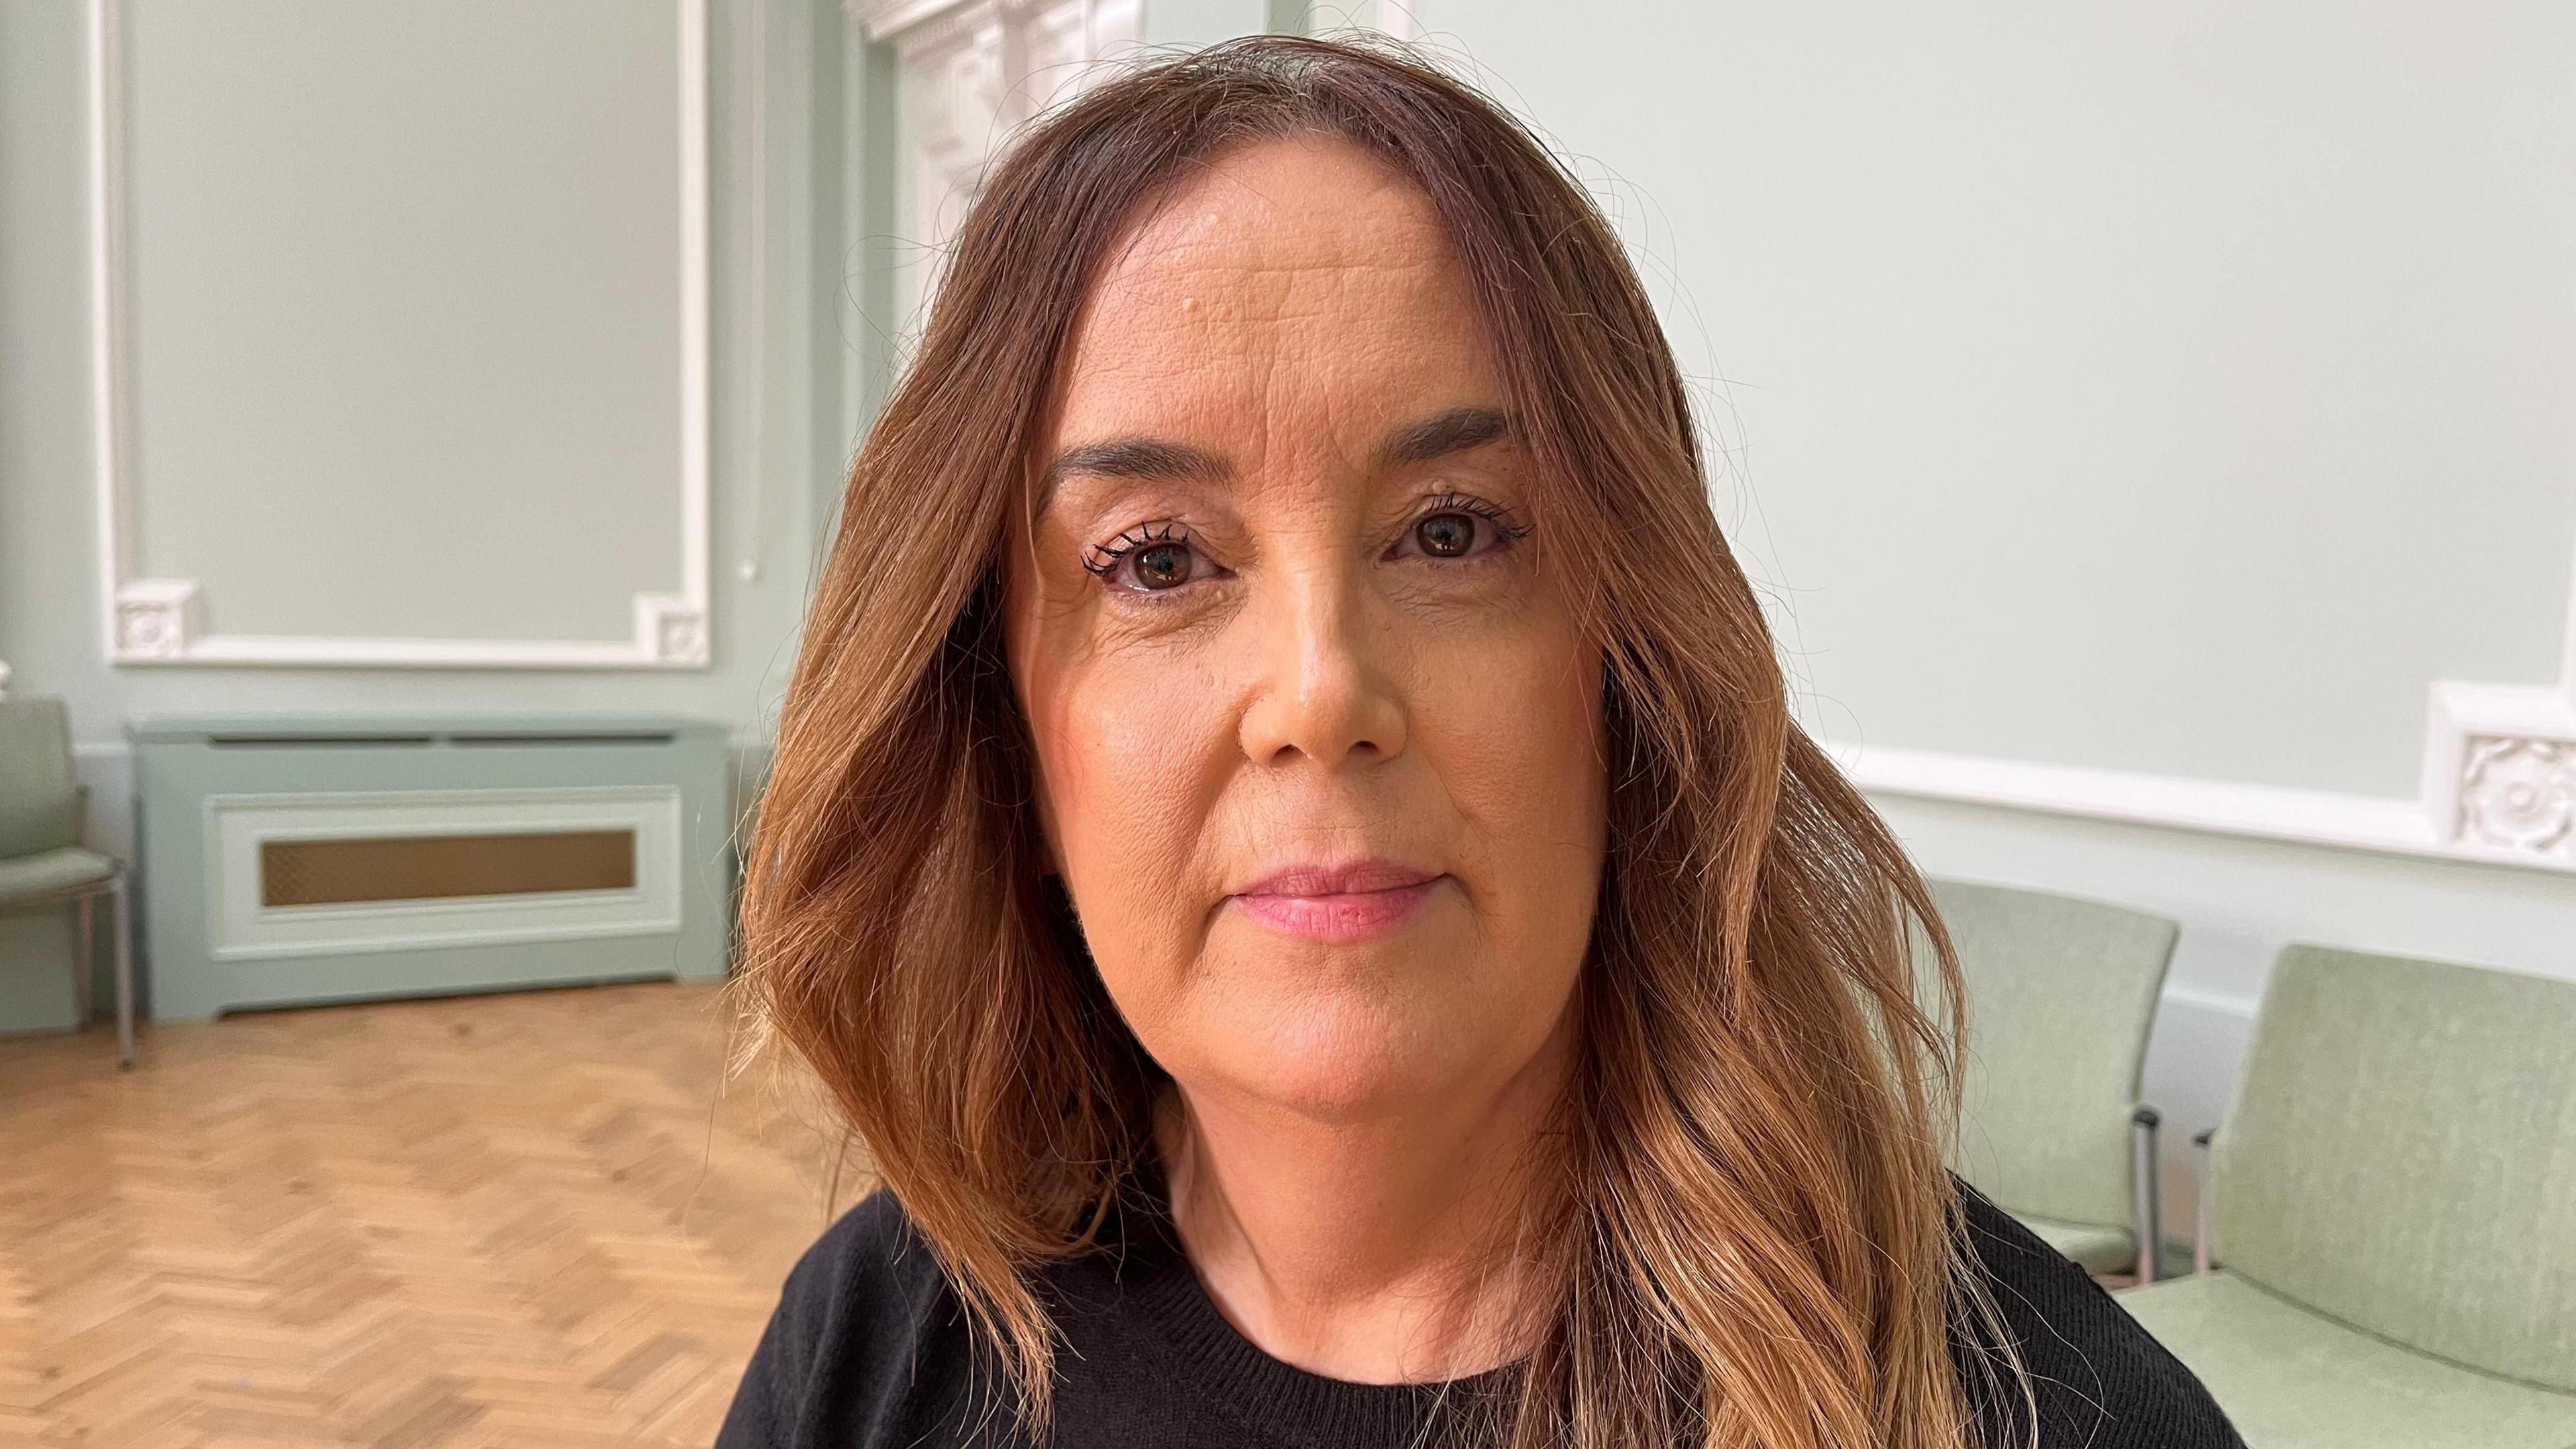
x,y
1163,565
1446,535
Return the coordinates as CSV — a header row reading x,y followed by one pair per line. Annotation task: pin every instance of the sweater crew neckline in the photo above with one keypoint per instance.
x,y
1212,1357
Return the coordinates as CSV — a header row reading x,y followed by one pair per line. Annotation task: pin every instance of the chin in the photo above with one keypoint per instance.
x,y
1350,1059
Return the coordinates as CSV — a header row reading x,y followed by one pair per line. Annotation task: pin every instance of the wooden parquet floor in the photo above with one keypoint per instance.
x,y
530,1219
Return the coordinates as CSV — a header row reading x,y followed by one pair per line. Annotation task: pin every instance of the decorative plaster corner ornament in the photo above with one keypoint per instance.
x,y
2500,766
156,618
675,626
2518,794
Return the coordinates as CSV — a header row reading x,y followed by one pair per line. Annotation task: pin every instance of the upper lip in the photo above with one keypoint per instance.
x,y
1346,878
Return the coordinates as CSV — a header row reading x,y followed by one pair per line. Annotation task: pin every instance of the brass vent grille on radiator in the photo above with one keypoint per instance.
x,y
428,867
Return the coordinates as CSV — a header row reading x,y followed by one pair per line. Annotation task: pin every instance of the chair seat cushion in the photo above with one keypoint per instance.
x,y
53,870
2094,1248
2293,1379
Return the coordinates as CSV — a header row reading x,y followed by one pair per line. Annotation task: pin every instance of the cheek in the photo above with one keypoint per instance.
x,y
1513,730
1128,763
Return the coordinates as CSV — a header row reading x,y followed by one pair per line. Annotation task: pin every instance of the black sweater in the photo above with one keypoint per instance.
x,y
870,1349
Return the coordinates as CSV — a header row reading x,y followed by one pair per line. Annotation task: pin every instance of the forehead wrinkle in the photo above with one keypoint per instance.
x,y
1223,290
1203,228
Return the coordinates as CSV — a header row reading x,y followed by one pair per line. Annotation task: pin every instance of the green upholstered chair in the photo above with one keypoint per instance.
x,y
43,863
2061,995
2392,1201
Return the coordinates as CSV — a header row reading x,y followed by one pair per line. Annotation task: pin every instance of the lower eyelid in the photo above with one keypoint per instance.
x,y
1111,581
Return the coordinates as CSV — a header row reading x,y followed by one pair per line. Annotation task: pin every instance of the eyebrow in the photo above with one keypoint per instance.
x,y
1456,431
1151,458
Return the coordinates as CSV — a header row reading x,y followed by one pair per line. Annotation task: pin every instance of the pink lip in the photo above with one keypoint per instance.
x,y
1350,902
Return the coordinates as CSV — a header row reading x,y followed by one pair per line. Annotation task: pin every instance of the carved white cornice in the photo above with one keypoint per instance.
x,y
970,74
912,24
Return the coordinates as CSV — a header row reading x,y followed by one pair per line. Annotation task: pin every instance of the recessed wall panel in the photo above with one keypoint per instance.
x,y
351,869
338,871
404,313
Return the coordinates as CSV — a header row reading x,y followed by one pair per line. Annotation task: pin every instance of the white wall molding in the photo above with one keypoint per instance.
x,y
161,620
971,72
2499,784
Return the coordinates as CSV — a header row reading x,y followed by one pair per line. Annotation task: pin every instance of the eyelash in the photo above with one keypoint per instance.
x,y
1510,528
1102,558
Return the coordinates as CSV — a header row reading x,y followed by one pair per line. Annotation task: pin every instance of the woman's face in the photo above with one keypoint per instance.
x,y
1317,736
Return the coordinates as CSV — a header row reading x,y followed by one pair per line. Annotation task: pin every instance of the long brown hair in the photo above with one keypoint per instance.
x,y
1761,1246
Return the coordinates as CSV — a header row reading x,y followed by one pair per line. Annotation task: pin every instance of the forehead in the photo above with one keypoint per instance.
x,y
1283,275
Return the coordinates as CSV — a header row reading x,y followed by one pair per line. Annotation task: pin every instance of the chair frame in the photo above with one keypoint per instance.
x,y
2200,1254
2142,1148
85,896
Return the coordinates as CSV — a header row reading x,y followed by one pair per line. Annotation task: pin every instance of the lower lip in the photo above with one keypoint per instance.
x,y
1348,916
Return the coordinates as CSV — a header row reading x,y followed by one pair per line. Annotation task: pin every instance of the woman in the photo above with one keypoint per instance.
x,y
1287,843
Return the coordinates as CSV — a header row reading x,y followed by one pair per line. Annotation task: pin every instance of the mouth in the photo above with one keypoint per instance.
x,y
1349,902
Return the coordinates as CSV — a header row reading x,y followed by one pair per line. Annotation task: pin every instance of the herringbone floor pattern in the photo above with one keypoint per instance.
x,y
531,1219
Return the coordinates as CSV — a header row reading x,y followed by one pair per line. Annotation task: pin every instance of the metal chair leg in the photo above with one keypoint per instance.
x,y
2142,1138
2200,1254
124,972
84,907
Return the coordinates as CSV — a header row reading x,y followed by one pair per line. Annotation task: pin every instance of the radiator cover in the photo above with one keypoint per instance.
x,y
290,860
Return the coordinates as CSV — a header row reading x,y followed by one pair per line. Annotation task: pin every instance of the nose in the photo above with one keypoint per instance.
x,y
1322,691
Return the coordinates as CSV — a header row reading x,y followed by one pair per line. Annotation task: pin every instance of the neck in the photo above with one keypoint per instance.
x,y
1389,1248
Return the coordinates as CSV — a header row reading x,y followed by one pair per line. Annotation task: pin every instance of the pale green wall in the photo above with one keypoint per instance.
x,y
2165,388
1204,22
2173,389
336,213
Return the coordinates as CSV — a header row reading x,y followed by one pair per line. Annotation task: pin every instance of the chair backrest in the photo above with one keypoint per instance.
x,y
2401,1155
40,803
2061,995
